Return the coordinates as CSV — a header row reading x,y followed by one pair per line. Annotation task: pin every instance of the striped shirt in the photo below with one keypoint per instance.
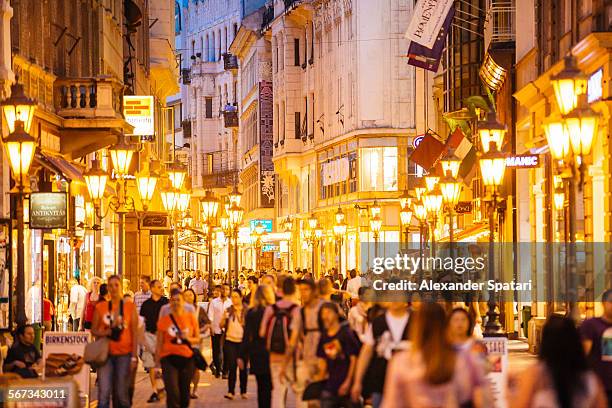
x,y
139,299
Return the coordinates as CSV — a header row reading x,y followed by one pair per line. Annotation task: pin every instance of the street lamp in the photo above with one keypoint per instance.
x,y
451,191
313,223
176,173
209,205
450,162
170,197
20,147
375,226
568,84
235,214
235,196
430,181
405,199
557,137
492,169
433,204
375,209
405,218
582,125
490,131
420,212
339,232
146,182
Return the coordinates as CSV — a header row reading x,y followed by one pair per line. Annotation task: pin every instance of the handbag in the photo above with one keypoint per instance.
x,y
198,358
313,391
96,353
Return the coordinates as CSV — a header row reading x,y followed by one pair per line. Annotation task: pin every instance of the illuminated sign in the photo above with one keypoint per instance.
x,y
48,211
267,224
463,207
523,161
138,112
595,86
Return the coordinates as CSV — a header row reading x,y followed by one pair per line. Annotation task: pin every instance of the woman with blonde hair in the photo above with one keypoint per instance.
x,y
437,375
91,300
253,350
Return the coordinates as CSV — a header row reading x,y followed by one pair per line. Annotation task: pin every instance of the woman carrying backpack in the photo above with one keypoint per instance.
x,y
233,321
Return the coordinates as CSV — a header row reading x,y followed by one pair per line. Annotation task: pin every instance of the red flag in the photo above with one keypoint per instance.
x,y
460,144
428,151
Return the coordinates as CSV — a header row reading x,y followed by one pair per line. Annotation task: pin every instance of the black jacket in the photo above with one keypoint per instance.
x,y
253,348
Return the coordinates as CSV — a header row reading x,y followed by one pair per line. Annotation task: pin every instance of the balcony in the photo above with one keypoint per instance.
x,y
88,98
503,17
230,116
268,17
230,63
289,4
220,179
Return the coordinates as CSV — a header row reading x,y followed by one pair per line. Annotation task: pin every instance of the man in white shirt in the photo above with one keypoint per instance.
x,y
168,281
353,285
78,296
216,309
198,285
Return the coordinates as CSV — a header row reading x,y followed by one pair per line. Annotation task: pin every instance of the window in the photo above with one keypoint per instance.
x,y
296,52
208,102
378,169
298,133
338,170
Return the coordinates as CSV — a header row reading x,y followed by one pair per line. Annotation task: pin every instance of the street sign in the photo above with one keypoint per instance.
x,y
48,211
157,223
524,161
463,207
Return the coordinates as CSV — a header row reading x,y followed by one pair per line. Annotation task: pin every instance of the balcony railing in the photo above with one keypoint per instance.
x,y
88,97
268,17
290,3
230,117
230,62
220,179
503,18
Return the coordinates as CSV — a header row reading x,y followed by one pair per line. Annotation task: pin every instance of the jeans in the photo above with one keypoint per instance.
x,y
376,399
329,400
264,390
279,389
177,373
216,352
230,357
112,380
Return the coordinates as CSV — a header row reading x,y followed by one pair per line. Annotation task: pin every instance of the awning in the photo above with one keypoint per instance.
x,y
60,166
469,234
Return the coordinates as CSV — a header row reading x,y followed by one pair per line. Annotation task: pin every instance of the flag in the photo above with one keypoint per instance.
x,y
460,144
427,153
429,58
428,17
467,170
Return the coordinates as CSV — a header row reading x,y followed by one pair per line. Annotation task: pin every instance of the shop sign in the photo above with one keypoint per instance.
x,y
139,112
463,207
269,248
63,359
156,222
497,359
266,145
417,141
595,86
335,171
267,224
48,211
523,161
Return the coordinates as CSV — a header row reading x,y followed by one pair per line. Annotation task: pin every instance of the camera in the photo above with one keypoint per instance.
x,y
116,332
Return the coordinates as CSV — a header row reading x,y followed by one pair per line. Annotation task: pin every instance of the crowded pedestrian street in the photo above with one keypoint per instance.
x,y
305,203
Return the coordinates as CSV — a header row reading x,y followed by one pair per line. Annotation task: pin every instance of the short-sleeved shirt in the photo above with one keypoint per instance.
x,y
269,313
309,333
599,332
126,341
150,311
170,346
337,351
165,309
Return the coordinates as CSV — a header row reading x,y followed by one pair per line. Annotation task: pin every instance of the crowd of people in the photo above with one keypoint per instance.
x,y
324,341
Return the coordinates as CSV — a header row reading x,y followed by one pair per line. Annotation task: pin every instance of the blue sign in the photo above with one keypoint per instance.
x,y
417,141
267,224
269,248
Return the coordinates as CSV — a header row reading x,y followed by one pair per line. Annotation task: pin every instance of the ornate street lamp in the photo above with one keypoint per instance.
x,y
209,205
582,125
557,137
288,224
375,209
18,108
176,173
121,155
433,205
170,197
235,218
184,200
568,84
491,130
451,191
559,199
20,147
420,212
376,226
146,182
450,162
339,232
405,199
313,222
430,181
235,196
492,167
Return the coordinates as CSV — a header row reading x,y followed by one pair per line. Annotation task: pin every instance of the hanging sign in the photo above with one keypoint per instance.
x,y
523,161
139,112
48,211
463,207
497,362
428,17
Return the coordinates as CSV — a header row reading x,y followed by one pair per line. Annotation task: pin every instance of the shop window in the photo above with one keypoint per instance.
x,y
378,169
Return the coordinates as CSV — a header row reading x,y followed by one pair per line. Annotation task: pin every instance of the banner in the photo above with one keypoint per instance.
x,y
497,359
266,145
428,18
63,358
48,211
429,58
335,171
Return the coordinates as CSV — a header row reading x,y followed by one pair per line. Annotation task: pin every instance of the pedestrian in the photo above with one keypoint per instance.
x,y
358,314
252,283
198,285
165,309
150,312
597,341
78,294
233,323
117,320
189,297
561,378
276,329
387,334
253,352
432,373
216,309
337,352
301,355
91,300
176,333
461,329
48,314
144,293
23,358
168,280
104,296
188,277
353,285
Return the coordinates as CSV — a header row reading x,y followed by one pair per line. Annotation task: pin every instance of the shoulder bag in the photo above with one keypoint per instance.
x,y
198,358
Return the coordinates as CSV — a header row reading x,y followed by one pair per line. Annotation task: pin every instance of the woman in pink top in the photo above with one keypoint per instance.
x,y
432,374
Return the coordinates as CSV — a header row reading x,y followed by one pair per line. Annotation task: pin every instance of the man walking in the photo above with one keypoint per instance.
x,y
150,312
144,293
199,286
216,310
78,295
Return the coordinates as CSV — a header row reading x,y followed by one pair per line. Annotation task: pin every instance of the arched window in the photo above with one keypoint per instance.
x,y
178,26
